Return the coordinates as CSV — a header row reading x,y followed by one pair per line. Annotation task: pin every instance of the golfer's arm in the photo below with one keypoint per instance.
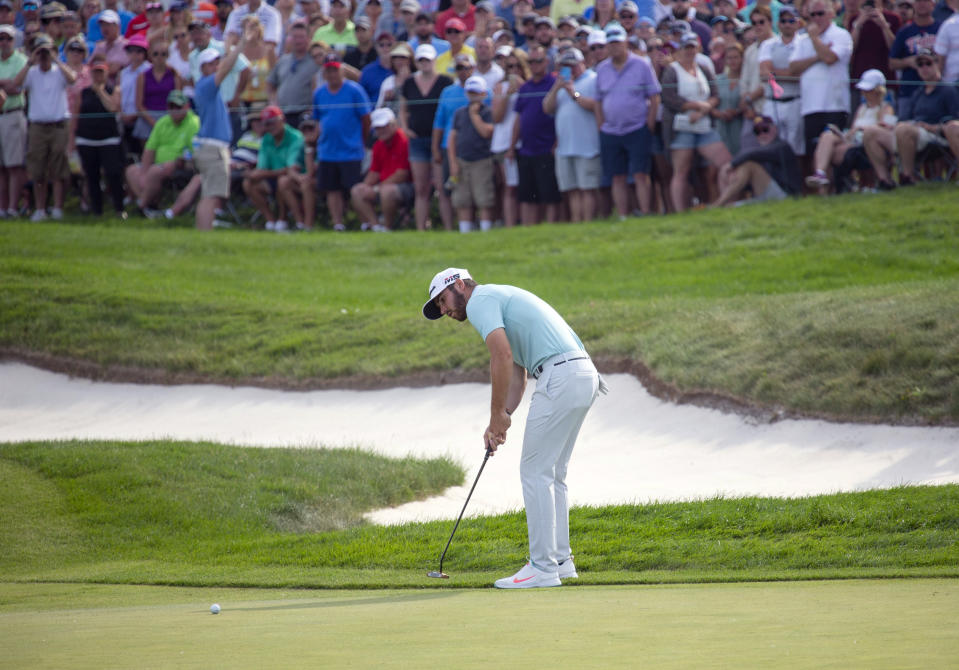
x,y
517,386
501,371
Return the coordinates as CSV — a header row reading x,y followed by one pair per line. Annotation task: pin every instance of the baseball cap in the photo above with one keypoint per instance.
x,y
475,84
645,21
401,50
176,97
722,19
6,3
100,65
925,51
529,17
505,50
568,21
871,79
108,16
440,283
42,41
382,116
679,27
486,6
139,40
456,24
9,31
363,22
208,55
571,57
596,37
411,6
788,9
427,51
77,42
689,39
271,112
465,59
629,6
615,33
545,21
332,59
54,10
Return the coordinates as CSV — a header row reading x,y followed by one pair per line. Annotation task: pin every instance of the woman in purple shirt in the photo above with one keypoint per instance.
x,y
153,87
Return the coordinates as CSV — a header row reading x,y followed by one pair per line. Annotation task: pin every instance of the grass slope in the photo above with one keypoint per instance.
x,y
204,514
842,307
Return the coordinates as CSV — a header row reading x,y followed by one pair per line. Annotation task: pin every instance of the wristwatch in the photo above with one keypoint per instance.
x,y
576,95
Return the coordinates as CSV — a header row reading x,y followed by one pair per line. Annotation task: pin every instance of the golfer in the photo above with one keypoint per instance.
x,y
525,335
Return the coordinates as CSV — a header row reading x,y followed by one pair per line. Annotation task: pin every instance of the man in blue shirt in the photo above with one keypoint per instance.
x,y
212,142
342,109
525,336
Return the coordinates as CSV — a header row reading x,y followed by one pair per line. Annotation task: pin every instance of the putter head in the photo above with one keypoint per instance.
x,y
437,575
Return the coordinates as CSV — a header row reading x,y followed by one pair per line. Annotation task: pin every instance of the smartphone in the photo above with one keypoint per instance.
x,y
565,72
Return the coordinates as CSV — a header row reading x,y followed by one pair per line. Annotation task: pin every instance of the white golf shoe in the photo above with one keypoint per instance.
x,y
529,577
567,570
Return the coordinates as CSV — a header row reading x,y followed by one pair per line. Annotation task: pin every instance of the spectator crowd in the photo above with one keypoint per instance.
x,y
378,114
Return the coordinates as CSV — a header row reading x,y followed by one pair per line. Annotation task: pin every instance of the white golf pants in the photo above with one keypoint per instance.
x,y
564,393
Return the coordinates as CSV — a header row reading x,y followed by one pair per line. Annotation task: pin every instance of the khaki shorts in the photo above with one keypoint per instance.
x,y
47,151
213,164
13,138
475,185
578,172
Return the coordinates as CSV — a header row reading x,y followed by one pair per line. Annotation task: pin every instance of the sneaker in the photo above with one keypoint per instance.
x,y
567,570
817,178
270,225
339,227
221,223
39,215
529,577
886,185
151,213
13,213
366,227
168,213
301,226
281,226
380,228
906,180
466,226
486,225
56,213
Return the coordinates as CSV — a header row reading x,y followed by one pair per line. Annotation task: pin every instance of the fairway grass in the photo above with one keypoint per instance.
x,y
849,624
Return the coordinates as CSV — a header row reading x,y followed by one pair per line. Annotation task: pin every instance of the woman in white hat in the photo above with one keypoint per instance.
x,y
834,144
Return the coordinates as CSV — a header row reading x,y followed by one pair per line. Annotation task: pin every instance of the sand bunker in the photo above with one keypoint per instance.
x,y
633,447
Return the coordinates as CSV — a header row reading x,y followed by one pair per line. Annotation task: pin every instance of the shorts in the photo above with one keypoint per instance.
x,y
926,138
773,192
213,164
338,175
421,150
578,172
537,179
475,185
13,138
510,169
407,193
626,154
814,124
685,140
47,151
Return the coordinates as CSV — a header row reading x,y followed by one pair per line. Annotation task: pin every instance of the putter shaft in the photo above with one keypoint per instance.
x,y
439,573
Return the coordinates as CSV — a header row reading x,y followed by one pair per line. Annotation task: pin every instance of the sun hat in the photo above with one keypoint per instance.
x,y
871,79
427,51
615,34
108,16
401,50
208,55
382,116
475,84
596,37
440,283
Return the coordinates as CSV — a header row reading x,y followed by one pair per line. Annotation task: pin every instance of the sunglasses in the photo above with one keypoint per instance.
x,y
537,60
453,31
759,22
385,45
759,130
627,15
512,66
597,47
179,35
171,106
924,63
816,15
460,68
787,20
5,38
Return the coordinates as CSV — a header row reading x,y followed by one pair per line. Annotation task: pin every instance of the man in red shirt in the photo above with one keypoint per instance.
x,y
459,9
388,180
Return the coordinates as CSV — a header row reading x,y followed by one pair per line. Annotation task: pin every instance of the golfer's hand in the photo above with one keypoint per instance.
x,y
496,431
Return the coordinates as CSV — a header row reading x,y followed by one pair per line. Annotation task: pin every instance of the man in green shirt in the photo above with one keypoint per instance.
x,y
13,125
338,33
281,152
164,152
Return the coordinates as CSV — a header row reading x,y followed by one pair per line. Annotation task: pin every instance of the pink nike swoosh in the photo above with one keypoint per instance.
x,y
525,579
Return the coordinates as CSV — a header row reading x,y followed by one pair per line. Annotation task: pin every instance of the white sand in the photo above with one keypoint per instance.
x,y
633,448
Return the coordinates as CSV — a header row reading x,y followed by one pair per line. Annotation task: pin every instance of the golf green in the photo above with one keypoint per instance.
x,y
842,624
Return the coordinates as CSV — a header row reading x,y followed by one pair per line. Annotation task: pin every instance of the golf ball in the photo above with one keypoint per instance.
x,y
214,609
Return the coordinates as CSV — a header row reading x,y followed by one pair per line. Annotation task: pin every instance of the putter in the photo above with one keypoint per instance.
x,y
439,574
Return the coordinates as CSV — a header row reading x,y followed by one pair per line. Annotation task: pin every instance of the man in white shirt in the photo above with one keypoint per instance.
x,y
782,104
46,79
485,67
821,61
269,17
947,46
